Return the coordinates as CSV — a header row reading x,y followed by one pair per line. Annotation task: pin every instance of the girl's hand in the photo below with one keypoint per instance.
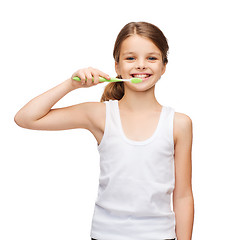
x,y
86,75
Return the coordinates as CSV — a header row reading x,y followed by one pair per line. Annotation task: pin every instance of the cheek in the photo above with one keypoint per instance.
x,y
125,67
160,69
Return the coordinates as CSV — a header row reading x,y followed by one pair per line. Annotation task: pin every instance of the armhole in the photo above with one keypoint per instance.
x,y
105,128
172,130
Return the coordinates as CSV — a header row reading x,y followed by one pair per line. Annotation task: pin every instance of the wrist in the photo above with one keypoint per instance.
x,y
70,84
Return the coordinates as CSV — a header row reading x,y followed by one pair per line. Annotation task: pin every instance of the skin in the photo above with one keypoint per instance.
x,y
139,110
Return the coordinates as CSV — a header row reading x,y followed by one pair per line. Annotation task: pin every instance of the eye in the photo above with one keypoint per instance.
x,y
130,58
152,58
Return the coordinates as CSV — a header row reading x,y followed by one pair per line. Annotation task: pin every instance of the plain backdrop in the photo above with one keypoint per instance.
x,y
49,180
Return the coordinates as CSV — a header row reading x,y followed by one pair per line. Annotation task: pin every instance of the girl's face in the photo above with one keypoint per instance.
x,y
140,57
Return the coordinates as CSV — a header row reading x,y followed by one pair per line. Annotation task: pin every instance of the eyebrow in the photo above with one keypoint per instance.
x,y
156,53
127,53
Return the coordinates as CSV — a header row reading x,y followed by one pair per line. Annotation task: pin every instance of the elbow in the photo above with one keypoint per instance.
x,y
18,120
21,121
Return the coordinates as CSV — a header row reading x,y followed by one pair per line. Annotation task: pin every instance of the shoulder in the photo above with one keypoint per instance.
x,y
182,126
93,108
182,120
96,112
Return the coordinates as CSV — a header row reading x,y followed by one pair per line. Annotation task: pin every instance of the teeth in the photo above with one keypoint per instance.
x,y
140,75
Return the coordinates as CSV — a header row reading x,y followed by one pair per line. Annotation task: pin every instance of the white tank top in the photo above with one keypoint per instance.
x,y
136,182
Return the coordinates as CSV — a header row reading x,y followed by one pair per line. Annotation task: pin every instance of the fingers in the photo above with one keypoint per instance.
x,y
90,76
96,78
102,74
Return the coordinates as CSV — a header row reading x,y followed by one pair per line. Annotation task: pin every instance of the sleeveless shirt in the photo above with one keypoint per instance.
x,y
136,181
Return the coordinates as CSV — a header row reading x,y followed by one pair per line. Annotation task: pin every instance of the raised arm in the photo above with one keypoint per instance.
x,y
38,113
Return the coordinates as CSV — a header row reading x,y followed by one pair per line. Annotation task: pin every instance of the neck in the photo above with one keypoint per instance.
x,y
139,101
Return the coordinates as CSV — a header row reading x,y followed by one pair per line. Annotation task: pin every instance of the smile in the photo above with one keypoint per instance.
x,y
142,76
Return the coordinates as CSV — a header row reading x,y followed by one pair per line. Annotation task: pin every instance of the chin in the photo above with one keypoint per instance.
x,y
140,87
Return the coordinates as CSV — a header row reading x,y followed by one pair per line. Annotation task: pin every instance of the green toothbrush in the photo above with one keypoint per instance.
x,y
101,79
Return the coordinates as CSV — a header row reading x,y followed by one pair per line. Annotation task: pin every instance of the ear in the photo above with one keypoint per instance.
x,y
163,69
117,68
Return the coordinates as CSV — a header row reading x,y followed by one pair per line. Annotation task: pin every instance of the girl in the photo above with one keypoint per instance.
x,y
144,147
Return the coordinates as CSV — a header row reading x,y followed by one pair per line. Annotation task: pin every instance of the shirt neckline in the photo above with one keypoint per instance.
x,y
148,140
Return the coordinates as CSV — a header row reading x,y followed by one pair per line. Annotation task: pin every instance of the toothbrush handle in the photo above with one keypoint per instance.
x,y
102,79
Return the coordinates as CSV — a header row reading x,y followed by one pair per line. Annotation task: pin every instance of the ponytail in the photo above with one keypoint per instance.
x,y
114,91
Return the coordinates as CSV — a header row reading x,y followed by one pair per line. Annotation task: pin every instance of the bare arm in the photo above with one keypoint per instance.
x,y
37,113
183,202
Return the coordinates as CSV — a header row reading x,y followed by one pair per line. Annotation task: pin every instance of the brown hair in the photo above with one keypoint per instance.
x,y
115,90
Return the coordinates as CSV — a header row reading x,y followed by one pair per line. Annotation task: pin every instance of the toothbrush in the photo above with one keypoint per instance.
x,y
101,79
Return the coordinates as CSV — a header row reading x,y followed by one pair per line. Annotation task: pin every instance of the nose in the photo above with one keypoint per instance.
x,y
140,64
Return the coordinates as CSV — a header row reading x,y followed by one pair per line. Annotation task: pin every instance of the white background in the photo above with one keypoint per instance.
x,y
49,180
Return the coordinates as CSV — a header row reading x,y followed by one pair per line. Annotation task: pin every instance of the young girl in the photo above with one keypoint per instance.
x,y
144,147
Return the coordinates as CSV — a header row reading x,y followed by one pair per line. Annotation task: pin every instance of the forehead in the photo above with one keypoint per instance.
x,y
138,44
